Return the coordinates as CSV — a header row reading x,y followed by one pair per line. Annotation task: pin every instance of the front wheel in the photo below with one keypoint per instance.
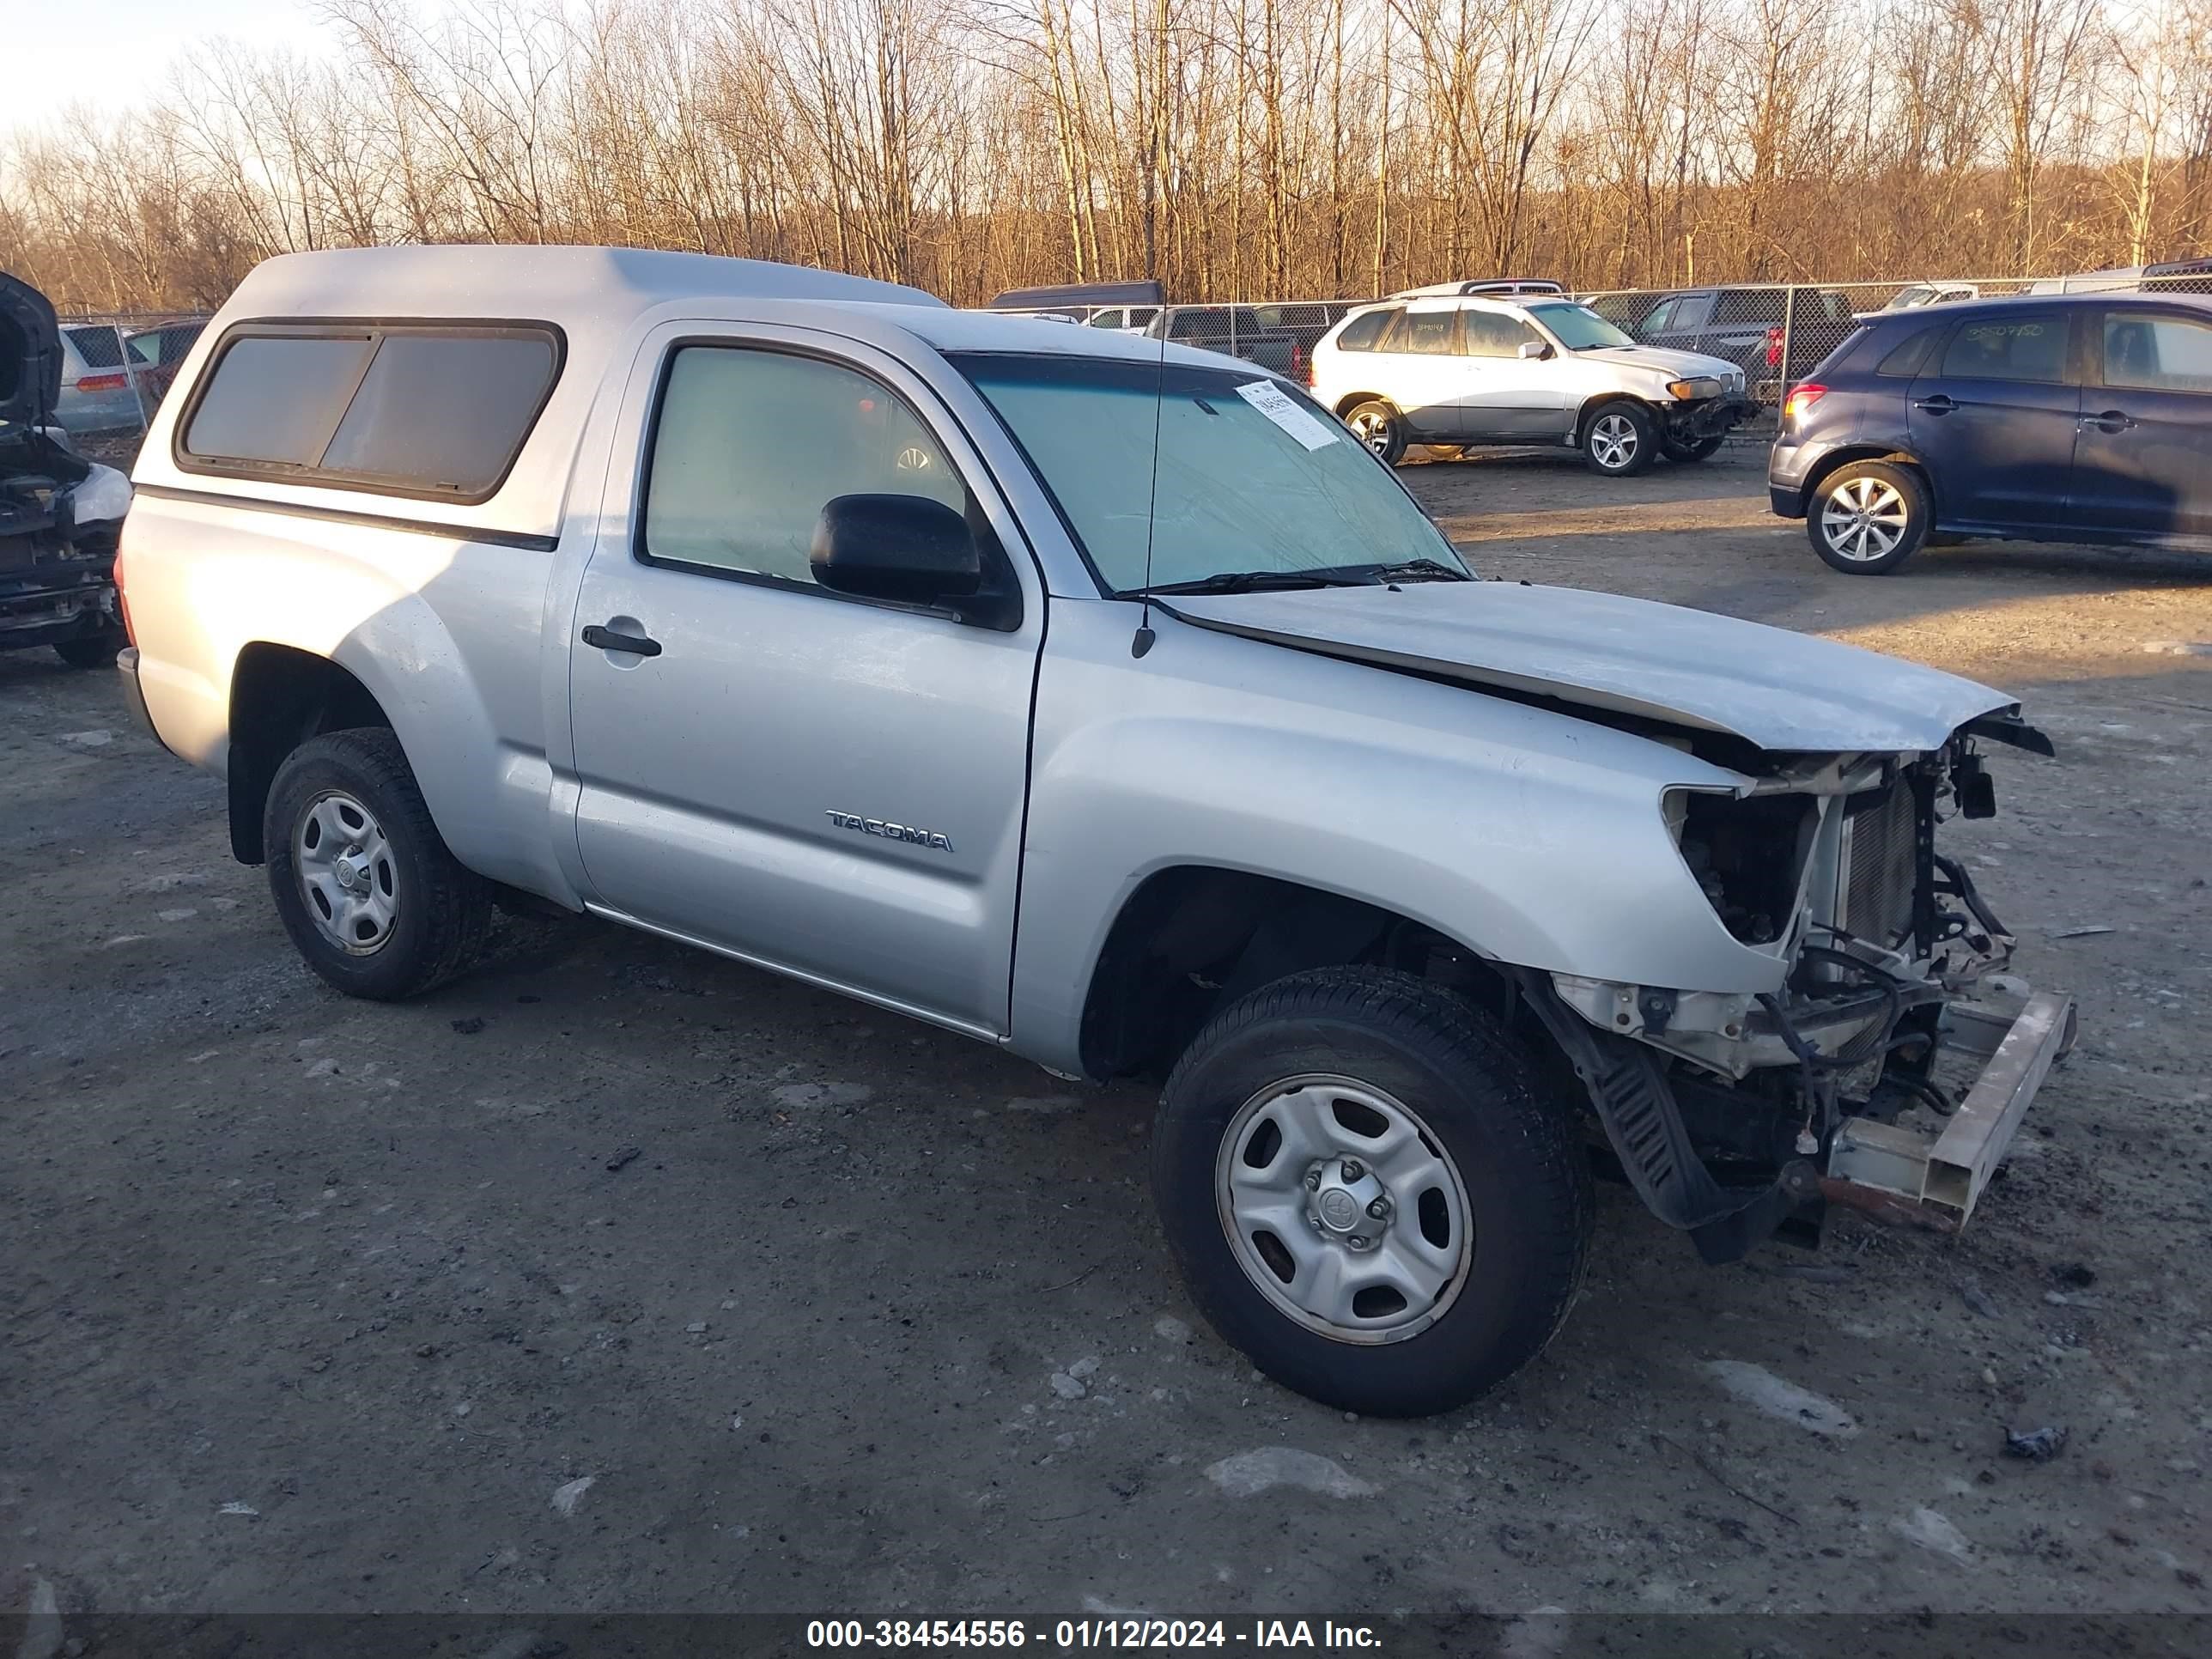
x,y
361,879
1621,440
1369,1191
1868,517
1381,427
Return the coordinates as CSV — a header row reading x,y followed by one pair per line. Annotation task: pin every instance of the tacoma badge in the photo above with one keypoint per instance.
x,y
892,831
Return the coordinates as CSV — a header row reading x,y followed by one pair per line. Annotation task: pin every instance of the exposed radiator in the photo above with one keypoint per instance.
x,y
1879,865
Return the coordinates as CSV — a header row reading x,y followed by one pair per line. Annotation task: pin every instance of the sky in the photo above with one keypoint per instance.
x,y
112,54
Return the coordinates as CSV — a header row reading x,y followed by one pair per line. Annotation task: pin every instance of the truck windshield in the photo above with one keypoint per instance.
x,y
1577,327
1253,476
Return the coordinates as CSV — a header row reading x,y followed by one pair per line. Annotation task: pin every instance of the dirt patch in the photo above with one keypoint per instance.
x,y
316,1305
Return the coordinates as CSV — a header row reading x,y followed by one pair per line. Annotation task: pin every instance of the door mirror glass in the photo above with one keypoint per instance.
x,y
1533,350
906,548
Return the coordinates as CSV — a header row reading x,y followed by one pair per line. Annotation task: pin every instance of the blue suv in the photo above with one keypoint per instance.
x,y
2080,417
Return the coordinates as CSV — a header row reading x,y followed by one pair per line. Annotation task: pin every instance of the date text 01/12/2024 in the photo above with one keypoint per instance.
x,y
1068,1634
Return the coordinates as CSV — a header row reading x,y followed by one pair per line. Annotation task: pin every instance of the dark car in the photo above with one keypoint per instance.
x,y
2078,418
59,513
1771,333
1235,331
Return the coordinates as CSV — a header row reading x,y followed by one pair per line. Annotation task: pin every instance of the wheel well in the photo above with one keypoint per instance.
x,y
1588,410
279,698
1192,940
1351,400
1844,457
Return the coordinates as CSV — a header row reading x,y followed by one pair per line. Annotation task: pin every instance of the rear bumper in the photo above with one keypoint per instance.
x,y
1789,464
126,665
1936,1181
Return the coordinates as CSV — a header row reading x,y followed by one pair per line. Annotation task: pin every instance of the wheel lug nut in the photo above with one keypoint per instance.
x,y
1351,1169
1379,1208
1313,1180
1360,1241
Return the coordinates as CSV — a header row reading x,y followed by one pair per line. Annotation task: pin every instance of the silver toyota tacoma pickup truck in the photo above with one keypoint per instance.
x,y
1104,701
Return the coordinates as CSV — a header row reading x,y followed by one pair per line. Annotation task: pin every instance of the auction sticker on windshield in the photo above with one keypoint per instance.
x,y
1271,401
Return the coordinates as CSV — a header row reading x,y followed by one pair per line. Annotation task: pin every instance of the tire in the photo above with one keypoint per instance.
x,y
89,650
1381,427
1446,452
1868,517
1704,450
1491,1203
1619,440
407,917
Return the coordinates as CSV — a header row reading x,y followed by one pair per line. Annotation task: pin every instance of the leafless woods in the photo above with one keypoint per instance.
x,y
1233,148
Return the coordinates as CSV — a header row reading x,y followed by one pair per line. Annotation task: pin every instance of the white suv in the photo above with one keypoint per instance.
x,y
1459,370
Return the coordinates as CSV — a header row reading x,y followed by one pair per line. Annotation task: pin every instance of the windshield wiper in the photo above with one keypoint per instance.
x,y
1255,581
1417,570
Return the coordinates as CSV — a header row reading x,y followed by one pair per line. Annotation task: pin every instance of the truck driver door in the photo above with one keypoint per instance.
x,y
823,784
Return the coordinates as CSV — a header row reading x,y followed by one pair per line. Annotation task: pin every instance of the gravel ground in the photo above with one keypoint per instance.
x,y
622,1277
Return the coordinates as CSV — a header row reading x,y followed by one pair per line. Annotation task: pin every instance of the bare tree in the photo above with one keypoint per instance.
x,y
1229,148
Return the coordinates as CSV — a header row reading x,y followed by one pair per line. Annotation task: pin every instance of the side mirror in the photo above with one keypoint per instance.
x,y
1532,350
907,548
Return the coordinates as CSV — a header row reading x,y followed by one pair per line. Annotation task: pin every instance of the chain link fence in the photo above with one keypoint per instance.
x,y
117,368
1777,334
1276,334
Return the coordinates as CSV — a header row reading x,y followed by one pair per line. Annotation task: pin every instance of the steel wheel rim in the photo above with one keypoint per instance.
x,y
1612,441
1863,519
1373,430
349,876
1304,1162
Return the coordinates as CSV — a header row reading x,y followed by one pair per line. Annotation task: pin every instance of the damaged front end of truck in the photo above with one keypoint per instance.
x,y
1871,1049
1891,1069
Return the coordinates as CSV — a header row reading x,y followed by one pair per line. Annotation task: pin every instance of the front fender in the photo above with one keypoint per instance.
x,y
1526,834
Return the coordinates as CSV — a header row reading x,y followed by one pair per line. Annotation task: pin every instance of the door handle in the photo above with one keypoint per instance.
x,y
2111,420
606,639
1940,404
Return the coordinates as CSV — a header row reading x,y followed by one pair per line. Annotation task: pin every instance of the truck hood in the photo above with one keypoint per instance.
x,y
1675,365
1781,690
30,354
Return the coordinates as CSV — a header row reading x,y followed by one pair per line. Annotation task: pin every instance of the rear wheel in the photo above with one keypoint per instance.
x,y
1868,517
361,879
1620,440
1369,1193
1381,427
91,651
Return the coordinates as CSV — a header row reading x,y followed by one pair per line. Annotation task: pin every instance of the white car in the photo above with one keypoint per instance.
x,y
1124,320
1461,370
1915,295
